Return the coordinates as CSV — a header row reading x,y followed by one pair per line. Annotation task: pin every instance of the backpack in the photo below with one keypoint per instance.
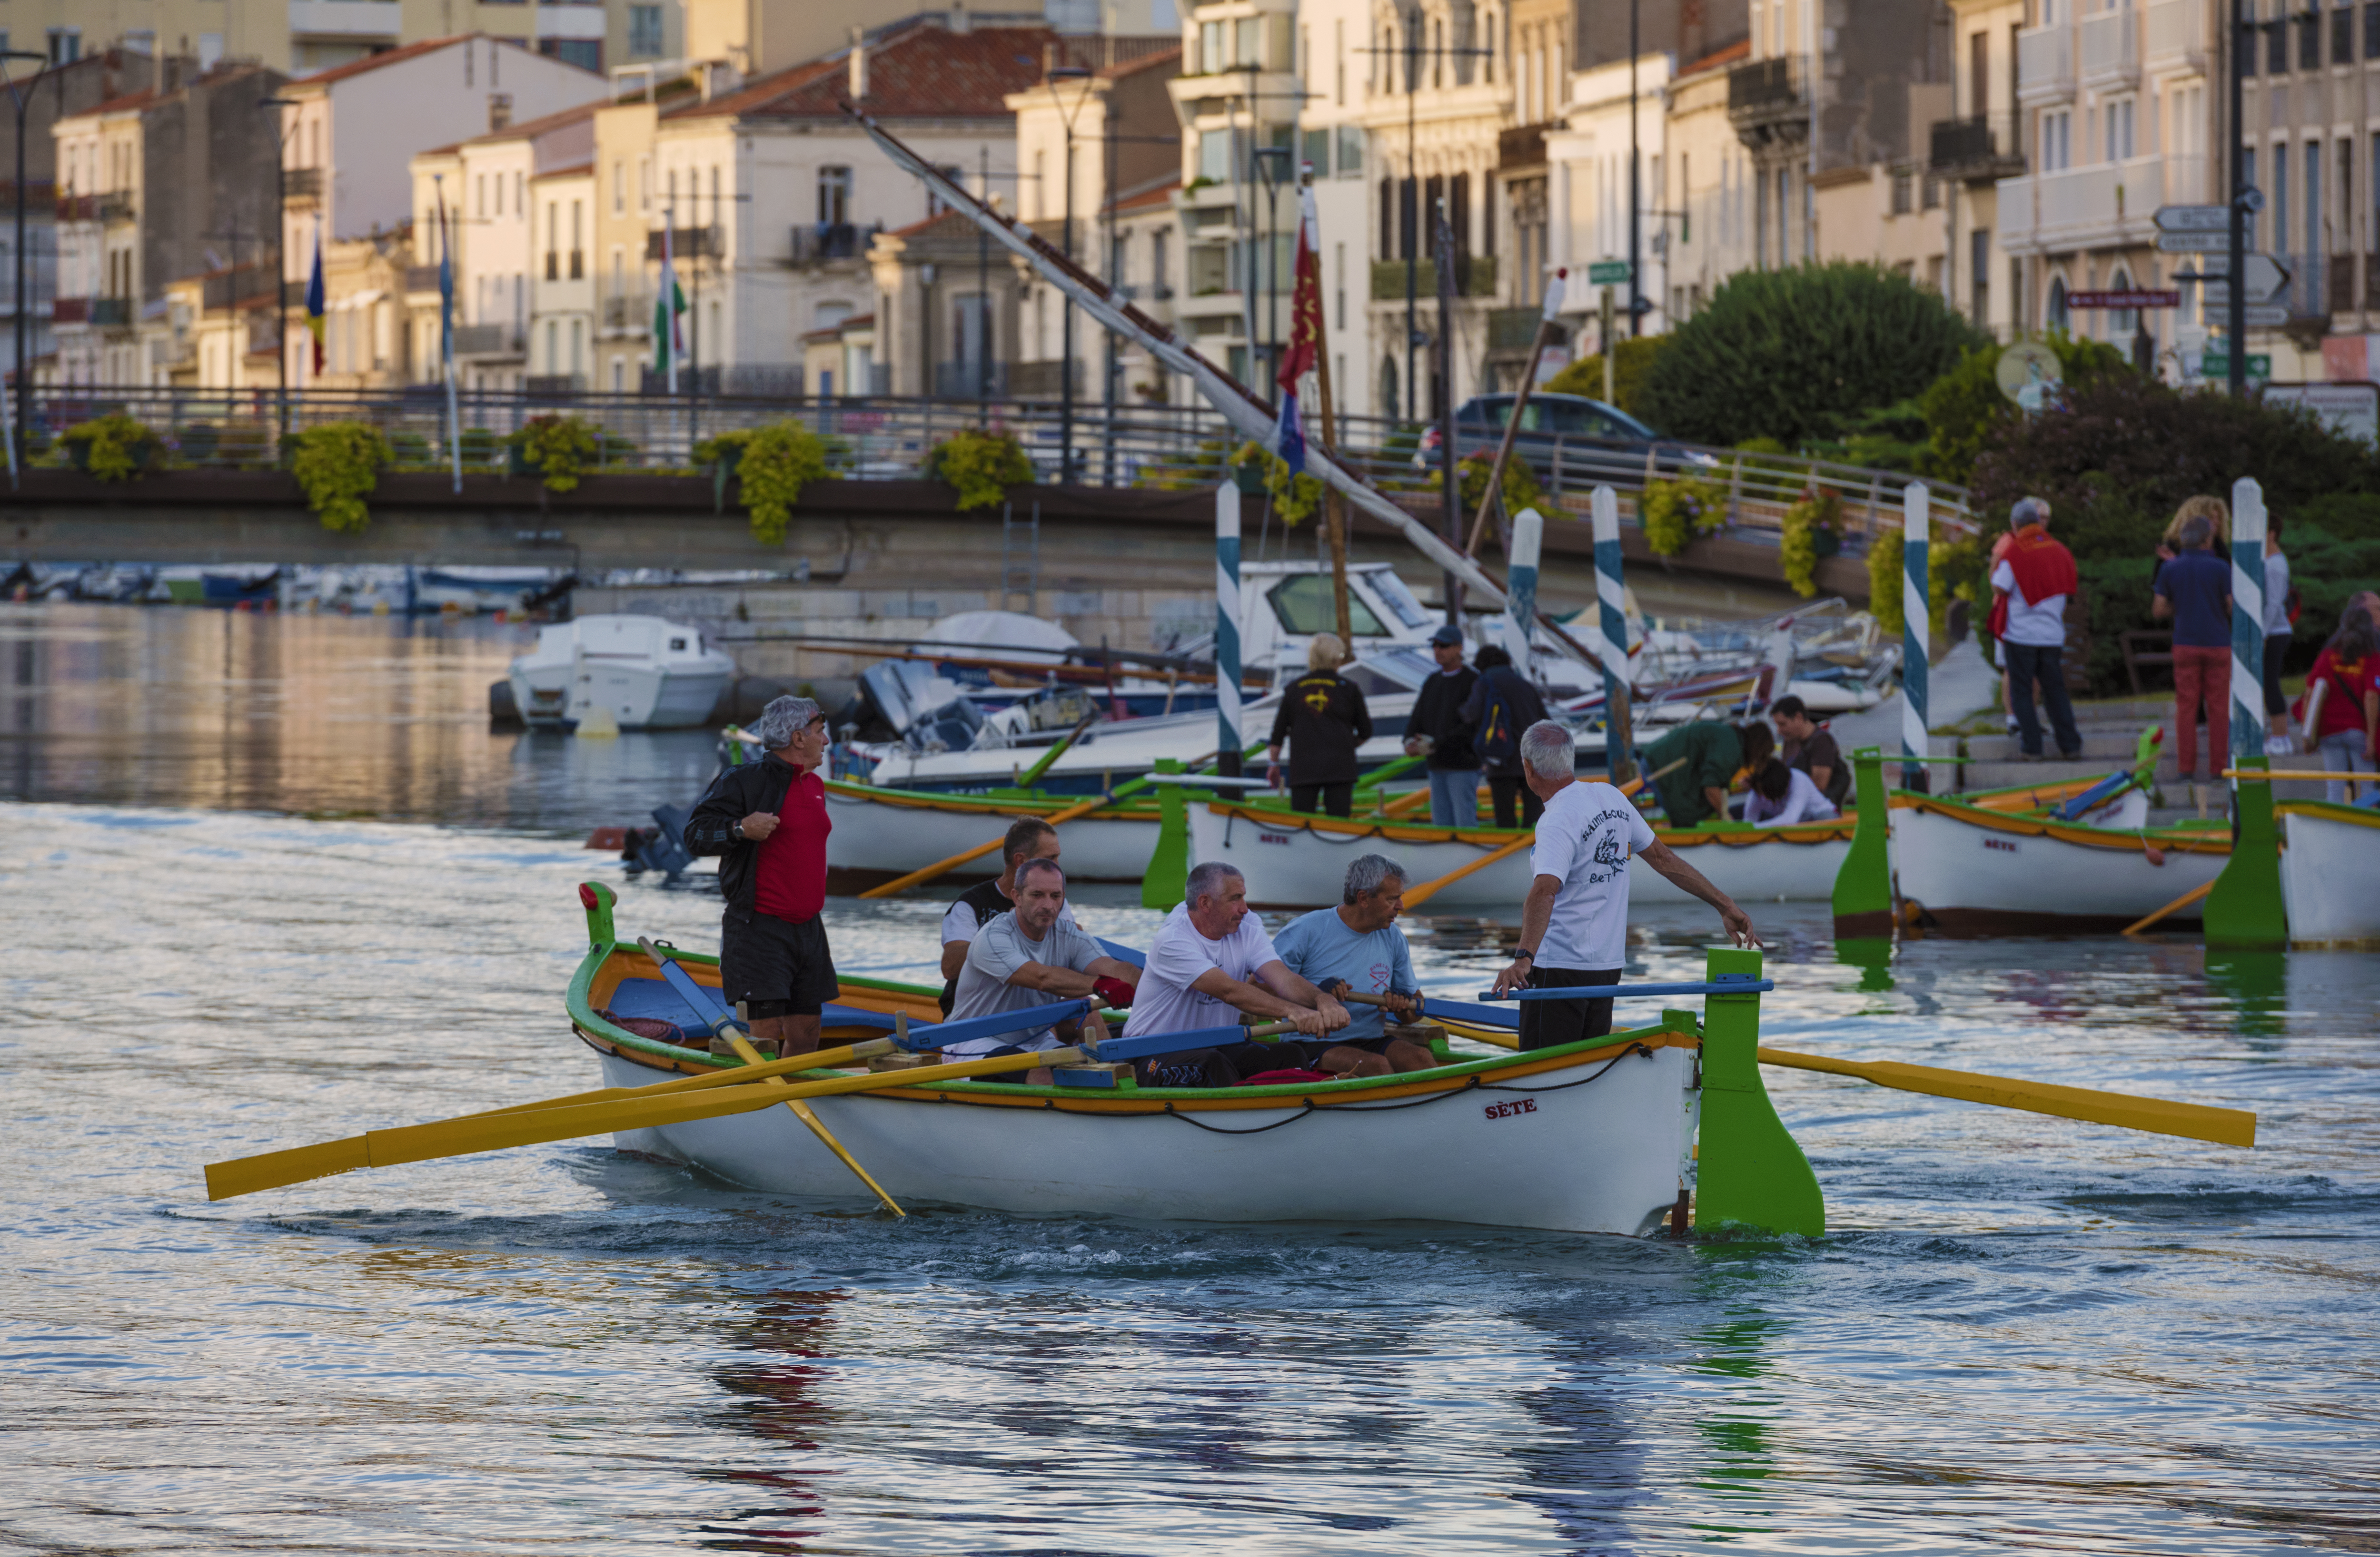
x,y
1499,741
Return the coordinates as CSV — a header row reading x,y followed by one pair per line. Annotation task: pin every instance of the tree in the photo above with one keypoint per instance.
x,y
1799,354
1965,405
1631,360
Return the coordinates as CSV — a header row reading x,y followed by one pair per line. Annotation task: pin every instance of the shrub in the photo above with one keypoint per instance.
x,y
1964,406
1520,484
338,464
408,447
615,451
771,464
1884,554
1294,498
1796,354
1629,361
481,446
558,448
1675,510
1821,508
979,465
1952,569
196,443
114,447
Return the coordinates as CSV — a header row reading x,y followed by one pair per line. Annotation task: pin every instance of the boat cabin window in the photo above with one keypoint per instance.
x,y
1303,604
1396,597
1382,675
677,645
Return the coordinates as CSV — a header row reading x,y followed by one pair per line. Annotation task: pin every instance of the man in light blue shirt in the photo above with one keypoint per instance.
x,y
1358,945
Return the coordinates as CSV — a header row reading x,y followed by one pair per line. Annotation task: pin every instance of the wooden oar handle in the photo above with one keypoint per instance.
x,y
1642,780
1350,998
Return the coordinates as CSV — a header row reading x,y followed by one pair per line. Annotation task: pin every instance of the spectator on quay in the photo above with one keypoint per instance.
x,y
1437,730
2277,638
1716,753
2195,589
1324,719
1782,796
2030,585
2342,700
1500,707
2215,511
1805,745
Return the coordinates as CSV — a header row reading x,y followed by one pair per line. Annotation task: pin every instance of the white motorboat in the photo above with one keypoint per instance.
x,y
2330,872
648,672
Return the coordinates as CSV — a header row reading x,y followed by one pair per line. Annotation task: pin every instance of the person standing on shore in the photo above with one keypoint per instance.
x,y
2195,589
1437,727
767,823
1324,719
1500,708
2277,630
2029,583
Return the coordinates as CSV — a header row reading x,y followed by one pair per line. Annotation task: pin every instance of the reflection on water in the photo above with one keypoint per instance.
x,y
369,716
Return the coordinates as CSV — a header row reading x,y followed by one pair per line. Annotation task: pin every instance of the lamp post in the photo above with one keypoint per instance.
x,y
1272,172
280,252
22,92
1054,74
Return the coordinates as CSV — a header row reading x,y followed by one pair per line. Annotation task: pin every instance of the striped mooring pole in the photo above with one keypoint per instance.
x,y
1228,743
1610,594
2246,911
2247,619
1520,584
1916,625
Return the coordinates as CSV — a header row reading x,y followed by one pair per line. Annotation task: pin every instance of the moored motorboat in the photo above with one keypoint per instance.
x,y
648,672
2330,872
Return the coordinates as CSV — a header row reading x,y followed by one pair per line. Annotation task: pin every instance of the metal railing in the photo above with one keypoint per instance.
x,y
1762,88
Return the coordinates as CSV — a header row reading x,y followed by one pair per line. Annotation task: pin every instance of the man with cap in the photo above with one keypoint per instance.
x,y
2030,583
1437,727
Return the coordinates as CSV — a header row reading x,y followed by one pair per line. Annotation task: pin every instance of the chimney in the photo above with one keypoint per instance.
x,y
858,63
959,22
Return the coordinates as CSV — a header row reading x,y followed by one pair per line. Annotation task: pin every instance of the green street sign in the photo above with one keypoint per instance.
x,y
1608,272
2217,365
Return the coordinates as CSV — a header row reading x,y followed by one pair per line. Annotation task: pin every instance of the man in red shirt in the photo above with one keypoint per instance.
x,y
767,822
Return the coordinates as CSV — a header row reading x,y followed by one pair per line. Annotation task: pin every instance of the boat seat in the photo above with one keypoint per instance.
x,y
654,999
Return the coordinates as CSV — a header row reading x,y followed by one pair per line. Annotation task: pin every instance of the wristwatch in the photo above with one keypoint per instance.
x,y
1525,951
736,829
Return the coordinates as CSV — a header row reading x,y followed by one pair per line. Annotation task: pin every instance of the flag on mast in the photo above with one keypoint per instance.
x,y
669,305
317,318
445,293
1305,350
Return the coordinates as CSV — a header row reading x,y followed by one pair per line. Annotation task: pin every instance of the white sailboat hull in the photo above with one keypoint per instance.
x,y
2330,873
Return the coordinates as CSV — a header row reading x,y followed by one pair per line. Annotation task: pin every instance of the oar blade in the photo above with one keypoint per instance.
x,y
245,1176
2193,1121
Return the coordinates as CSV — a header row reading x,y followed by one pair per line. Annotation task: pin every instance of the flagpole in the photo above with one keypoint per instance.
x,y
1334,512
446,333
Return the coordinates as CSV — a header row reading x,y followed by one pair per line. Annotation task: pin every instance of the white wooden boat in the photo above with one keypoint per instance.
x,y
880,834
649,673
1301,861
2330,872
1967,870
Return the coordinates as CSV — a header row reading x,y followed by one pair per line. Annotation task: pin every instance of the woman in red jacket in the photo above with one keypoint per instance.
x,y
2342,700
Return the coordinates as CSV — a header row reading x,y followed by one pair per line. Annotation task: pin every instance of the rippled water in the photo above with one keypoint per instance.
x,y
2021,1333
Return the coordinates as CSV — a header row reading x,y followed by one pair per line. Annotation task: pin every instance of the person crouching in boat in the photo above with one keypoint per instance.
x,y
1029,838
1575,925
1034,955
1358,947
1210,959
767,822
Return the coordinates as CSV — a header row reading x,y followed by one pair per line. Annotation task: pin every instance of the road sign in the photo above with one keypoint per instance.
x,y
2027,371
2266,316
2193,219
2134,299
1608,272
2193,243
2214,364
2350,408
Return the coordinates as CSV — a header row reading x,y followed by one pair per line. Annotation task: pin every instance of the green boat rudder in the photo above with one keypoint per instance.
x,y
1751,1172
2245,909
1169,864
598,899
1863,884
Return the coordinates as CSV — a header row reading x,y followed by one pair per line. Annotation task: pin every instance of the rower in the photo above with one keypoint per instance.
x,y
1575,925
1030,957
1358,947
1210,959
1029,838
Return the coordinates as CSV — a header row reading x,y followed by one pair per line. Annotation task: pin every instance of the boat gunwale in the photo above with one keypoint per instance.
x,y
2330,810
2188,841
1734,835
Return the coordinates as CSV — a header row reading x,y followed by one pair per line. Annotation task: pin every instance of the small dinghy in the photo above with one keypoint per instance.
x,y
2330,872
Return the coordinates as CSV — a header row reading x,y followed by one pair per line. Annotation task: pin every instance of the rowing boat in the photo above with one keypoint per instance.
x,y
1598,1135
1964,869
1292,861
880,834
2330,872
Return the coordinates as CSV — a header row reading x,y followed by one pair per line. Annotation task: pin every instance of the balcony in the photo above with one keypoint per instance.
x,y
1523,146
815,242
630,311
2179,35
2111,50
1475,276
421,278
1514,330
554,386
2045,64
347,20
956,381
116,206
301,183
2083,207
70,310
1766,103
487,340
77,207
1043,380
264,337
1972,150
112,313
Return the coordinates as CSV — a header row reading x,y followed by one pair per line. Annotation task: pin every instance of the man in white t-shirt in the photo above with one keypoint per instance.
x,y
1032,956
1575,925
1207,963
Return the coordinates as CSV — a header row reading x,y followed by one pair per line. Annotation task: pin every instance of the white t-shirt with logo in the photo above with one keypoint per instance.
x,y
1584,839
1178,955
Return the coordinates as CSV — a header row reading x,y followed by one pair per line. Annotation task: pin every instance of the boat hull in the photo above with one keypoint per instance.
x,y
1973,873
640,696
2330,873
1301,861
882,834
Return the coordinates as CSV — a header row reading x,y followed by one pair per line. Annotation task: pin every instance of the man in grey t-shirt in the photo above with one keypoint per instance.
x,y
1028,958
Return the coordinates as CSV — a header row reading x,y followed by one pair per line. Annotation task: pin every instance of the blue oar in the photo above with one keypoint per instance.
x,y
1735,985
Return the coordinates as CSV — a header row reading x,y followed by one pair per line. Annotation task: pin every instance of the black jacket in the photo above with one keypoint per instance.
x,y
1324,715
1519,695
733,795
1438,713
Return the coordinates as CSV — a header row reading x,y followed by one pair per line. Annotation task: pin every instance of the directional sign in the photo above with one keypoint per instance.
x,y
2214,364
2266,316
1608,272
2134,299
2266,276
2193,243
2193,219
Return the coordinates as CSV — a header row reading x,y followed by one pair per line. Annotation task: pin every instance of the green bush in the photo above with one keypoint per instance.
x,y
558,448
482,446
114,447
1798,353
1520,484
980,465
1676,510
1294,498
196,443
1964,406
338,464
1820,508
1631,360
771,465
1951,570
408,447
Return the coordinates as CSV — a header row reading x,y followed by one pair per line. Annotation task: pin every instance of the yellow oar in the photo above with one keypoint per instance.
x,y
1416,895
461,1137
824,1059
2180,903
800,1110
2231,1126
944,867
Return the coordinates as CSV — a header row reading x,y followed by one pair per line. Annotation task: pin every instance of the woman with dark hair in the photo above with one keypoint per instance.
x,y
2342,700
1500,707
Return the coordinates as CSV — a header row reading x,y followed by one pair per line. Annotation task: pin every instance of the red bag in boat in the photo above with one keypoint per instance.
x,y
650,1027
1286,1077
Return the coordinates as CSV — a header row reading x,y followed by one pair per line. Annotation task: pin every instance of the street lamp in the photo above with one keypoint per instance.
x,y
22,92
1054,74
280,254
1273,172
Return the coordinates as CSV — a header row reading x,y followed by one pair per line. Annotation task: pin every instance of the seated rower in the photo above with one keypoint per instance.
x,y
1358,947
1029,838
1031,956
1782,796
1209,961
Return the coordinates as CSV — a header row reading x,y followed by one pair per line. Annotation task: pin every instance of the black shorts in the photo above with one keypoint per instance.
x,y
1544,1023
1312,1050
783,969
2277,702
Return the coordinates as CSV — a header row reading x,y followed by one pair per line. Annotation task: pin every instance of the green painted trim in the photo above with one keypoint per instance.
x,y
2245,910
1752,1172
2330,810
1863,884
597,901
1168,876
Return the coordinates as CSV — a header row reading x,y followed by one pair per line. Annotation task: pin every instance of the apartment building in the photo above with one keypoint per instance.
x,y
1335,153
562,286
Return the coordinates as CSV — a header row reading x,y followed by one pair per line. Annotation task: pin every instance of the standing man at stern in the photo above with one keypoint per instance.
x,y
1574,926
767,822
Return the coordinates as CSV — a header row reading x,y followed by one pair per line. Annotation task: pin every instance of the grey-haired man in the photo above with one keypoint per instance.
x,y
767,822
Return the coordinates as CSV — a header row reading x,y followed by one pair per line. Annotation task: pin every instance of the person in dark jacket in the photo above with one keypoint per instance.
x,y
1324,719
1436,726
1697,763
1499,734
767,822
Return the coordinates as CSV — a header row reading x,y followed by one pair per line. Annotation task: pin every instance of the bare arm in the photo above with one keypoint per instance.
x,y
1065,982
954,957
1822,777
1278,976
2160,608
1536,914
1663,857
1715,798
1257,1001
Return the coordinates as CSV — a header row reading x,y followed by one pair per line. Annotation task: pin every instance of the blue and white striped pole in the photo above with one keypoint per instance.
x,y
1228,743
1521,584
2247,619
1610,594
1917,512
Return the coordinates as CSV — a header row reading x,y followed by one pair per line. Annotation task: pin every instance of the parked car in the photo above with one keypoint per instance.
x,y
1596,440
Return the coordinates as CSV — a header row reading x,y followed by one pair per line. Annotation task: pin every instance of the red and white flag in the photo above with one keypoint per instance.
x,y
1304,352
